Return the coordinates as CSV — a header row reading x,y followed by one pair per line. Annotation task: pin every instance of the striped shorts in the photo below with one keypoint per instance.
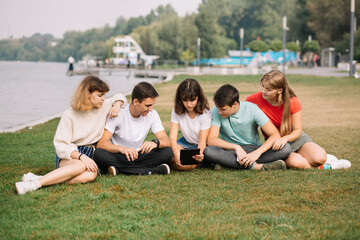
x,y
87,150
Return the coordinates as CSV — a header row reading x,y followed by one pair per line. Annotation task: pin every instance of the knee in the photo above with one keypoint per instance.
x,y
167,153
319,158
210,150
297,161
91,176
285,151
79,167
87,177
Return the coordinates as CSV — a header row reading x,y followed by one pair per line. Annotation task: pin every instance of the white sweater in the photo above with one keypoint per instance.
x,y
79,128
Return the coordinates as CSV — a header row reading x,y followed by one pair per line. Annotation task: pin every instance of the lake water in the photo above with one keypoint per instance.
x,y
31,91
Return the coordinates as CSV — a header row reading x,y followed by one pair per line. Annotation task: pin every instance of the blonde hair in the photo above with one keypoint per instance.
x,y
80,100
277,80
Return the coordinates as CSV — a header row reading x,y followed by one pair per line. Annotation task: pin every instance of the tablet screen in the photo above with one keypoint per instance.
x,y
187,154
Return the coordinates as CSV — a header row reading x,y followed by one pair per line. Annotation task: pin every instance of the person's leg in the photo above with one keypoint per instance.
x,y
297,161
313,153
270,155
182,143
73,171
226,158
105,159
155,157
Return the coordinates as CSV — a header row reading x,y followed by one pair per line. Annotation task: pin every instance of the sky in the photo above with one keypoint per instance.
x,y
20,18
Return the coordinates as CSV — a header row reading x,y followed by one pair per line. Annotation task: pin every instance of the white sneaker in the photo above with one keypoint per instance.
x,y
341,163
24,187
331,159
112,171
30,177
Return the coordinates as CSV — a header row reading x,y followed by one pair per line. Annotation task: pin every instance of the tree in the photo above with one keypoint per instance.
x,y
187,56
276,45
299,29
343,46
329,20
311,46
209,34
120,26
258,46
293,46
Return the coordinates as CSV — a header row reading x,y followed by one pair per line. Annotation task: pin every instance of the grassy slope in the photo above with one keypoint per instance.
x,y
305,204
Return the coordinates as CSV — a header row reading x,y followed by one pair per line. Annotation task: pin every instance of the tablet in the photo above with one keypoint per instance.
x,y
187,154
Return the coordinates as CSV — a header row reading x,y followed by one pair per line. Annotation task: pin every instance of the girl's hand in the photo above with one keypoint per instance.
x,y
89,163
199,157
279,144
115,109
177,159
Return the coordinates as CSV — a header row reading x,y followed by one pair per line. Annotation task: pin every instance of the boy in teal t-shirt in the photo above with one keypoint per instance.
x,y
239,146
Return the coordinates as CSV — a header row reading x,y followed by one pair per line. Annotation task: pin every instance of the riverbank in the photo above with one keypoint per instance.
x,y
34,91
200,204
47,103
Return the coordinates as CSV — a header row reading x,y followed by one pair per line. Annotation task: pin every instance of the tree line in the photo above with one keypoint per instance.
x,y
162,32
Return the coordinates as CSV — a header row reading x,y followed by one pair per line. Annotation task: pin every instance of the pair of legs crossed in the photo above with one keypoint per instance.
x,y
228,158
306,153
140,166
71,171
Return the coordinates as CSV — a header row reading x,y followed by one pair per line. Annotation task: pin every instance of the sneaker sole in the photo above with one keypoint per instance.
x,y
167,167
17,189
112,171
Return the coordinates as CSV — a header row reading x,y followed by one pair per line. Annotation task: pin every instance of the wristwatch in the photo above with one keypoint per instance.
x,y
157,142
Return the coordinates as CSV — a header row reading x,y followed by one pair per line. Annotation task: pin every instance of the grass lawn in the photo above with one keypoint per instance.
x,y
201,204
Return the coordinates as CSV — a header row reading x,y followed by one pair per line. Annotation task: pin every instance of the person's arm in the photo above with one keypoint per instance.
x,y
202,144
65,149
214,140
115,109
271,131
174,129
296,125
88,162
106,144
164,141
118,101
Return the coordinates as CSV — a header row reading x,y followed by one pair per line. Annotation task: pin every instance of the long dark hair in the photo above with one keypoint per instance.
x,y
189,89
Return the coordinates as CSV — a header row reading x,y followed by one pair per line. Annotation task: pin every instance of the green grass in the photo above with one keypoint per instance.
x,y
201,204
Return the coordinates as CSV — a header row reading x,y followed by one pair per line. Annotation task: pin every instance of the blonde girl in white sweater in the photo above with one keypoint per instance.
x,y
79,129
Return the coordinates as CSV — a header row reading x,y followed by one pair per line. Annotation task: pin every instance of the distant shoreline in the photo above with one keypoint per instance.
x,y
58,115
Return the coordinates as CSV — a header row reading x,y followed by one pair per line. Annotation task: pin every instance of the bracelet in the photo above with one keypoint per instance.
x,y
80,156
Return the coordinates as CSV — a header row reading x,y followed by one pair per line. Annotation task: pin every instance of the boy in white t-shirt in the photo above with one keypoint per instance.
x,y
122,149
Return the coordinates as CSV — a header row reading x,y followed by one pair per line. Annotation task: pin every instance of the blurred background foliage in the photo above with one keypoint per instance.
x,y
162,32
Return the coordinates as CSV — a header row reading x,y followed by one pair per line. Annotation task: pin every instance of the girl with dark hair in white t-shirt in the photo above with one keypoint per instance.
x,y
191,114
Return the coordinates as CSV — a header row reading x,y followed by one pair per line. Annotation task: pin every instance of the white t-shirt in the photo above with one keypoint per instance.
x,y
131,132
190,128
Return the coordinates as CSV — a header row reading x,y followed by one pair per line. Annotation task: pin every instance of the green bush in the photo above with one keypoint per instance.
x,y
311,46
258,46
276,45
292,46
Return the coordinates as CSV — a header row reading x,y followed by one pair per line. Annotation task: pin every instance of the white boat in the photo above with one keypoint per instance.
x,y
128,51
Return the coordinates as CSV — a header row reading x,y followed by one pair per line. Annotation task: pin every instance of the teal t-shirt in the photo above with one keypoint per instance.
x,y
241,128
